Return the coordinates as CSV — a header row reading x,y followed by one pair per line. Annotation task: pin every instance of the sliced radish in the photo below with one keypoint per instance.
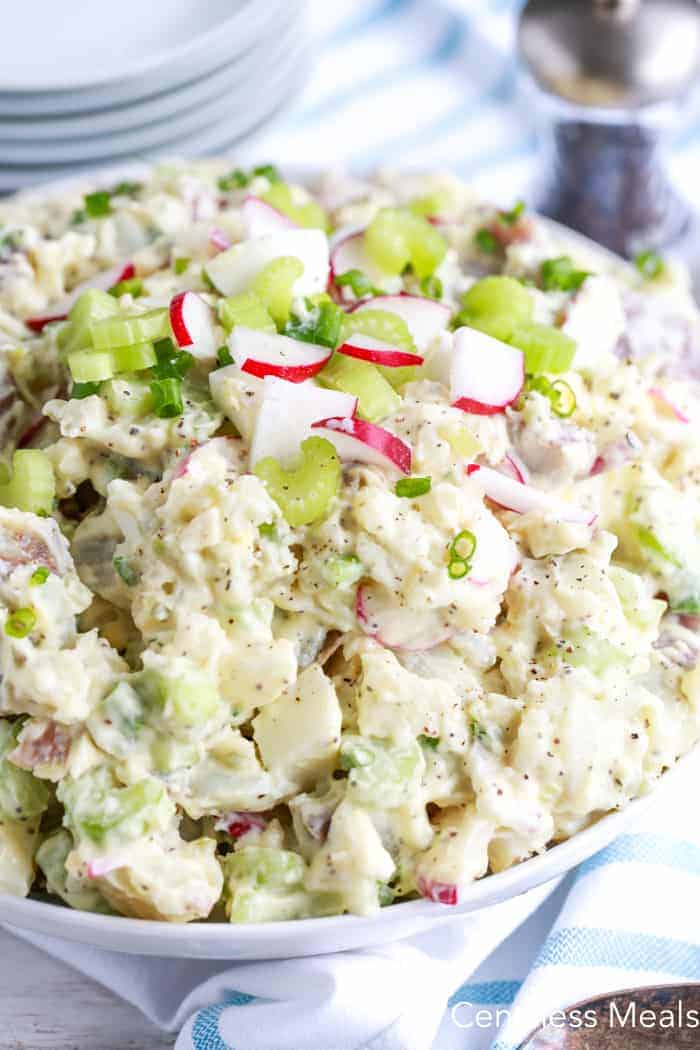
x,y
439,892
425,318
233,271
102,281
357,441
219,240
513,495
263,354
260,218
286,415
349,253
397,628
192,322
660,395
486,375
239,824
513,467
366,348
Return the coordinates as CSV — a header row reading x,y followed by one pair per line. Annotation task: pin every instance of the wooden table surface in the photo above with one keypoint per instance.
x,y
44,1005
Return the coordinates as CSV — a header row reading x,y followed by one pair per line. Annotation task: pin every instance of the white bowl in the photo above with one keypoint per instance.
x,y
280,940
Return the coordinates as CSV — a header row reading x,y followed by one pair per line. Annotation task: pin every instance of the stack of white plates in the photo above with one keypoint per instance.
x,y
85,83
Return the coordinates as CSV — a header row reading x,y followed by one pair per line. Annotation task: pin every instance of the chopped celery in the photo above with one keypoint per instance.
x,y
126,571
378,771
274,284
181,265
390,329
132,286
461,440
92,306
546,349
265,867
323,325
32,486
652,545
97,808
498,297
584,648
641,610
498,326
310,214
376,398
90,366
39,576
432,204
193,699
124,709
133,358
247,310
267,884
128,397
115,332
305,493
22,796
396,238
51,857
343,570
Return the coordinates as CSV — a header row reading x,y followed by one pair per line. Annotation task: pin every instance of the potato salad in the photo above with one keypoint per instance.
x,y
349,540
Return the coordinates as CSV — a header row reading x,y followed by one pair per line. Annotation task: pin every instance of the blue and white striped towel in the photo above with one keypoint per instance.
x,y
431,83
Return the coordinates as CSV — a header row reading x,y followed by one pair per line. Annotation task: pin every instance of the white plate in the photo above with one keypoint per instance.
x,y
162,107
50,46
216,138
239,103
284,940
217,50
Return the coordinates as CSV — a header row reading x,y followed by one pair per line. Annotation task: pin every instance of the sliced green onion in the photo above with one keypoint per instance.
x,y
126,331
80,390
457,568
432,287
650,264
181,264
564,404
486,241
409,488
91,366
132,286
305,493
207,281
167,398
463,545
268,530
324,325
274,285
358,281
126,571
32,486
126,189
224,357
511,217
171,362
20,623
561,275
431,742
376,397
477,731
39,576
98,204
235,180
268,171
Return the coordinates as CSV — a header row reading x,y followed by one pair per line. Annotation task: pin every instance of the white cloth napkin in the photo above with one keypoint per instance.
x,y
431,83
626,917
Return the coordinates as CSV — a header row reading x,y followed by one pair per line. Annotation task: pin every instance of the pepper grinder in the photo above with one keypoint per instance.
x,y
613,80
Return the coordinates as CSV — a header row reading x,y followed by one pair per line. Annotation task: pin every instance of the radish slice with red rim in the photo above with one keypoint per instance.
x,y
192,322
367,348
522,499
424,317
262,354
286,415
660,395
102,281
260,218
219,240
439,892
357,441
399,628
486,375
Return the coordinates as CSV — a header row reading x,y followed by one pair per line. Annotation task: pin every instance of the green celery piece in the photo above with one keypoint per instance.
x,y
390,329
546,349
304,494
128,397
499,297
32,486
246,310
114,332
376,398
92,306
274,285
23,797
